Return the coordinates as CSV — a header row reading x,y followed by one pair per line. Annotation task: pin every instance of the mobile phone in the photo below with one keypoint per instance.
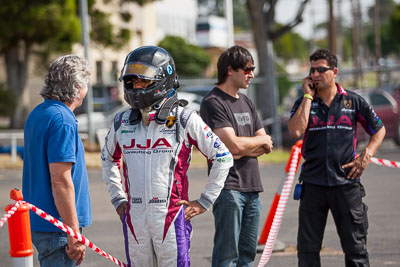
x,y
311,86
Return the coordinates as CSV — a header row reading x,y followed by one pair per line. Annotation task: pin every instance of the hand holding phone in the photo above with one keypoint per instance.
x,y
308,86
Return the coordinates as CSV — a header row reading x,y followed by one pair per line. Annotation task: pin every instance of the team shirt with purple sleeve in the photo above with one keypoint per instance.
x,y
331,136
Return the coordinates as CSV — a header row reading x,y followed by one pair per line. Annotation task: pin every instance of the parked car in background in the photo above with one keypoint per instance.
x,y
201,90
100,120
193,99
387,108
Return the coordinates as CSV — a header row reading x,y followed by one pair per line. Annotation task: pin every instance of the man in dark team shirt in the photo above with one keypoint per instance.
x,y
233,117
327,115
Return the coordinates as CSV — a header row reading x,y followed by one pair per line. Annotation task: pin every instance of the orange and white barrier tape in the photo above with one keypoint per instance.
x,y
63,227
276,223
385,162
74,234
6,216
271,214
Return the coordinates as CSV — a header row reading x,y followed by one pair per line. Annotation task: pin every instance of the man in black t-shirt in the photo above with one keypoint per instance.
x,y
327,115
233,117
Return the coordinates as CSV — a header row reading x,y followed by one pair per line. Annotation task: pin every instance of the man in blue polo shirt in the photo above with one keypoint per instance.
x,y
327,115
54,172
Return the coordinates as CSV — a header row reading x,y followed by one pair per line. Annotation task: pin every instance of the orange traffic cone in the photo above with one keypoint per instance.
x,y
19,232
271,214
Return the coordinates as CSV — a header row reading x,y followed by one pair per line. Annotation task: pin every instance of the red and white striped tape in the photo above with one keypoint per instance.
x,y
61,226
74,234
276,223
6,216
385,162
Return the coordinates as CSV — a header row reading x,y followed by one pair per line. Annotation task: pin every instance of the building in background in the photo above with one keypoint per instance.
x,y
176,17
212,31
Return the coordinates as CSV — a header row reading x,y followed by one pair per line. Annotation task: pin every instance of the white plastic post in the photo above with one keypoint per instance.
x,y
22,261
13,148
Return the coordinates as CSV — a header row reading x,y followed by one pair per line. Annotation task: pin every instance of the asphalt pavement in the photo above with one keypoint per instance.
x,y
382,185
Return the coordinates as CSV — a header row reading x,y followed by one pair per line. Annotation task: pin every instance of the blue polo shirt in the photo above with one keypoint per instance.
x,y
51,135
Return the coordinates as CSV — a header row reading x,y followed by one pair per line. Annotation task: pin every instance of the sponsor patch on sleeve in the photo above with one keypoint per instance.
x,y
217,143
224,157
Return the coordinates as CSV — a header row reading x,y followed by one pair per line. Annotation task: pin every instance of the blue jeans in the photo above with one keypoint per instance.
x,y
51,249
236,218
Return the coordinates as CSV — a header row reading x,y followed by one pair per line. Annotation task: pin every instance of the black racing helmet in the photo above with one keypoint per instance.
x,y
149,63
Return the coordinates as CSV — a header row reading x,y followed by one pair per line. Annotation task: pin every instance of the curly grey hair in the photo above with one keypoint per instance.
x,y
66,74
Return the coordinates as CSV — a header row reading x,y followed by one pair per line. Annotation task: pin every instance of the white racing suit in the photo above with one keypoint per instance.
x,y
154,170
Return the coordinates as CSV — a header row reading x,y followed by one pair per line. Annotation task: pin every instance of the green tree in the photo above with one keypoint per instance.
x,y
25,26
395,25
386,8
190,60
389,28
7,101
291,46
42,28
389,42
284,84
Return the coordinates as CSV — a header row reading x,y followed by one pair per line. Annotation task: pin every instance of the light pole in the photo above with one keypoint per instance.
x,y
86,44
229,21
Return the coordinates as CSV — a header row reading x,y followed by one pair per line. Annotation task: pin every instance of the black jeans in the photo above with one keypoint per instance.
x,y
349,214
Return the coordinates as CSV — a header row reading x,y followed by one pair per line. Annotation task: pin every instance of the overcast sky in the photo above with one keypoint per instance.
x,y
317,12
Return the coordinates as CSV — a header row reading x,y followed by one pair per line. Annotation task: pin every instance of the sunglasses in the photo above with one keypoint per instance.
x,y
247,70
320,69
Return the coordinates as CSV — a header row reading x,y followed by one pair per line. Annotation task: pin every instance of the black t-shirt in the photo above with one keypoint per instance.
x,y
220,110
330,138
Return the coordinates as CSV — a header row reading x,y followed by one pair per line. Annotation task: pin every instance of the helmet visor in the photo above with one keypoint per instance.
x,y
140,70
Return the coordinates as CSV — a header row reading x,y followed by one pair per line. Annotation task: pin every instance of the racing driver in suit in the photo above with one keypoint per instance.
x,y
154,139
